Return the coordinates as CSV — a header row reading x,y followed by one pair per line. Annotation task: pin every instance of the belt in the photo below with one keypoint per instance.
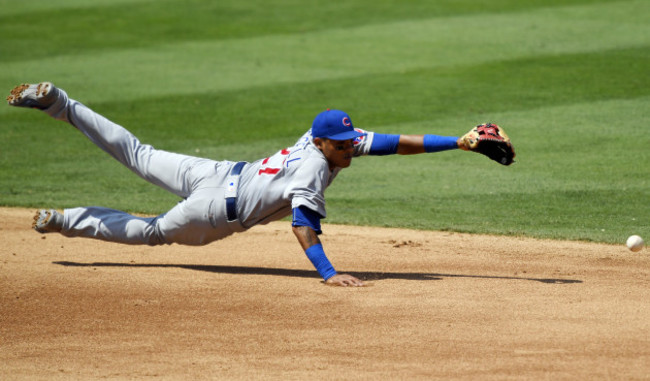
x,y
231,191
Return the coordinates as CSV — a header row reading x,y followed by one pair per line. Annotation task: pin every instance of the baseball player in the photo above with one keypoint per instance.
x,y
223,197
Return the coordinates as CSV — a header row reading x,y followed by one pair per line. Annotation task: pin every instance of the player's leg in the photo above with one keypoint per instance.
x,y
168,170
195,221
110,225
198,220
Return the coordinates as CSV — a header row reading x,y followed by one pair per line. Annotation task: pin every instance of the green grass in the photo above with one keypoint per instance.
x,y
231,80
135,24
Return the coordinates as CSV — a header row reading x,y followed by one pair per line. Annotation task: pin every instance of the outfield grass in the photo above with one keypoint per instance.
x,y
569,81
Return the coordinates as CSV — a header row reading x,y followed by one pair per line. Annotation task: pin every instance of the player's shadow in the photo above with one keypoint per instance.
x,y
363,275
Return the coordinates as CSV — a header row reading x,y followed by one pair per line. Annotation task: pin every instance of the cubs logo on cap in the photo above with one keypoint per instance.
x,y
334,125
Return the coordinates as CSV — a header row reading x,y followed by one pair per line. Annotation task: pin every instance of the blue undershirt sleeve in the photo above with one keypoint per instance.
x,y
384,144
303,216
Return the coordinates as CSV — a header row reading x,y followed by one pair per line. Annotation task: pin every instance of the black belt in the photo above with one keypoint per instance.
x,y
231,190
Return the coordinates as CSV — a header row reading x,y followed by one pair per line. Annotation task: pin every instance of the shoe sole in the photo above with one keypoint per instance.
x,y
15,97
38,224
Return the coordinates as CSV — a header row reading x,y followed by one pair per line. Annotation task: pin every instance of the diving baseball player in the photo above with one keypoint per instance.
x,y
223,197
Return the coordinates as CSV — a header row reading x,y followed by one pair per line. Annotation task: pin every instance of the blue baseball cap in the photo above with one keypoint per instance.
x,y
335,125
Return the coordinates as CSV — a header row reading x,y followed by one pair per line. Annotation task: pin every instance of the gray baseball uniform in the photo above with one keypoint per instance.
x,y
220,197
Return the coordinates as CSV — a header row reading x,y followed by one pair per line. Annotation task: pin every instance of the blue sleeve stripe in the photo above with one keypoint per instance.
x,y
384,144
303,216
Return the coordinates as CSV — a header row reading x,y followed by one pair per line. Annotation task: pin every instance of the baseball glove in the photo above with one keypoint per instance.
x,y
490,140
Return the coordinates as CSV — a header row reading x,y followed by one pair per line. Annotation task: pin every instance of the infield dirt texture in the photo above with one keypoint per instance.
x,y
438,306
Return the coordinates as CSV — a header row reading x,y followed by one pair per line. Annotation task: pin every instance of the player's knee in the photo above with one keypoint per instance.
x,y
154,235
155,240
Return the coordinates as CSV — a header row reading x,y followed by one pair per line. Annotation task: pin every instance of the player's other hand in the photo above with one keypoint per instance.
x,y
344,280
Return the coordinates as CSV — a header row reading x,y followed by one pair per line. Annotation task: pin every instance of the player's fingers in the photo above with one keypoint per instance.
x,y
352,281
344,280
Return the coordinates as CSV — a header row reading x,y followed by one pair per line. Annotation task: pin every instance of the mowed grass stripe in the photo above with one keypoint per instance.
x,y
286,111
191,67
75,26
53,9
278,114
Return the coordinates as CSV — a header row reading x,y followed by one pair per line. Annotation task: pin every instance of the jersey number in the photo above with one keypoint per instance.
x,y
285,155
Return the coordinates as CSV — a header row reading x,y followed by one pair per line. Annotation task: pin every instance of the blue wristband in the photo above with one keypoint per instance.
x,y
436,143
316,255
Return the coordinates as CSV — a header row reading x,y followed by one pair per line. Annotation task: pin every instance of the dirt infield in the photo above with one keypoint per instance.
x,y
438,305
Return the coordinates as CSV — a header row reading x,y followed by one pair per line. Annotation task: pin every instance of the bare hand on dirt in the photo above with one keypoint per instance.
x,y
344,280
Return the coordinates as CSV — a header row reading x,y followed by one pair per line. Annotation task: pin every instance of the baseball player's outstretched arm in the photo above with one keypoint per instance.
x,y
310,242
387,144
487,139
414,144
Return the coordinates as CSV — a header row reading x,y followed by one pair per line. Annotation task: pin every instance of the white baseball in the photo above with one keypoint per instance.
x,y
635,243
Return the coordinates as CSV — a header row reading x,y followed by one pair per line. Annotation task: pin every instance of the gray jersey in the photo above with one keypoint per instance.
x,y
295,176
